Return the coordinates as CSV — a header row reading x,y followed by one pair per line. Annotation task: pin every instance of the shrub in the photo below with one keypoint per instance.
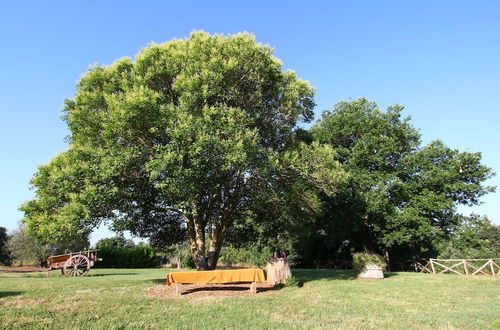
x,y
291,282
139,256
248,256
363,259
187,261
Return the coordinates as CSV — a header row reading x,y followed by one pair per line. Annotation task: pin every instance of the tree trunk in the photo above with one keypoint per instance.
x,y
387,260
196,235
215,248
278,271
200,255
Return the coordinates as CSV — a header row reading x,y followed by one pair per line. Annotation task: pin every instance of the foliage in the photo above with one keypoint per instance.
x,y
291,282
118,252
476,238
187,261
24,249
4,252
247,256
184,140
117,298
362,259
402,197
179,254
113,242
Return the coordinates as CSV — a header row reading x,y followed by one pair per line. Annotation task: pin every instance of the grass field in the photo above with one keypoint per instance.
x,y
117,299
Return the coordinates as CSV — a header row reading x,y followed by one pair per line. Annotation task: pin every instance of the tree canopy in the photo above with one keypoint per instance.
x,y
402,197
476,237
187,137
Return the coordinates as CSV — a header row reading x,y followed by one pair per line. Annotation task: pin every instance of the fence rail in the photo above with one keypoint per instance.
x,y
463,266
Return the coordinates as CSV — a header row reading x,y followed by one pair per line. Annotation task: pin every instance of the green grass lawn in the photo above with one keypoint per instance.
x,y
117,298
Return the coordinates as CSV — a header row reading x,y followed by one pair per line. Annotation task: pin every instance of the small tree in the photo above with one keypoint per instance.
x,y
28,250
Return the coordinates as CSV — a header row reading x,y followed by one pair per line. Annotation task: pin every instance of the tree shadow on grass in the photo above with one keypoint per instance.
x,y
4,294
307,275
229,287
113,274
158,281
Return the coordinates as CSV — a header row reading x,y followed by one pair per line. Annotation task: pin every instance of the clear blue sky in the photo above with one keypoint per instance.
x,y
440,59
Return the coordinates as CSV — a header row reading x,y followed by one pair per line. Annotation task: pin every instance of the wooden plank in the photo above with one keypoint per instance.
x,y
496,274
253,287
446,268
178,289
480,269
425,269
466,259
457,264
474,268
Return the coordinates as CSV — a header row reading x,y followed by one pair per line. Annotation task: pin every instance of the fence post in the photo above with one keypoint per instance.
x,y
432,266
465,267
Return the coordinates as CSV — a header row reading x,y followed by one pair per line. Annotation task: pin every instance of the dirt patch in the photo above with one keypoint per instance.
x,y
210,290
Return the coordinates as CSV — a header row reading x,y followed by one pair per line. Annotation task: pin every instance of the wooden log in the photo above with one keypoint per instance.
x,y
494,263
491,267
432,266
479,270
465,267
466,259
446,268
278,271
178,289
426,269
253,287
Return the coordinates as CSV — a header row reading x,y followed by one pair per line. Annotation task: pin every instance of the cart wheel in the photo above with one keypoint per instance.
x,y
77,265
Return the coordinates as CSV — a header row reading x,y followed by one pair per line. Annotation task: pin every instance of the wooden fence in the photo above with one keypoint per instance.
x,y
463,266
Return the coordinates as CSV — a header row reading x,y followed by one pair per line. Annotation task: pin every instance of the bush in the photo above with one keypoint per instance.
x,y
26,250
291,282
250,256
139,256
363,259
187,261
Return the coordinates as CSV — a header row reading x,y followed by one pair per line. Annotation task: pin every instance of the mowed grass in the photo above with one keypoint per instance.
x,y
117,299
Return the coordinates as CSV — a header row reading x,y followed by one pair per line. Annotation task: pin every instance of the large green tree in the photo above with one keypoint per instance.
x,y
402,197
189,135
24,249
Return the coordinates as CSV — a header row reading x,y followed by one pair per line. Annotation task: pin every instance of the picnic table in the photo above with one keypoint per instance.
x,y
252,275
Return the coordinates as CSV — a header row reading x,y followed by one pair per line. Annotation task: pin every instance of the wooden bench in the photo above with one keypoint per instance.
x,y
252,276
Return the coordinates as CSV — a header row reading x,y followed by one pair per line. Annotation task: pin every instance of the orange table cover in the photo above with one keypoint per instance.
x,y
217,276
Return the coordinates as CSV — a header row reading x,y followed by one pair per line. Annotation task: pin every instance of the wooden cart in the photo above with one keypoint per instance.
x,y
74,264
